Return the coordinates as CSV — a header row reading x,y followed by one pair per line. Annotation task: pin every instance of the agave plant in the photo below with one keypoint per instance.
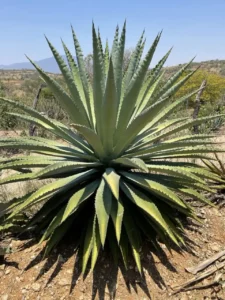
x,y
115,181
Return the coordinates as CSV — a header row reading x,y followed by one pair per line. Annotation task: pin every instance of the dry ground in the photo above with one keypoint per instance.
x,y
24,275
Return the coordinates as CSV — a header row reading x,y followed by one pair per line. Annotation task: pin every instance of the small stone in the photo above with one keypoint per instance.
x,y
7,271
188,292
17,279
64,281
5,297
81,297
82,289
70,271
2,267
36,287
183,297
24,291
215,247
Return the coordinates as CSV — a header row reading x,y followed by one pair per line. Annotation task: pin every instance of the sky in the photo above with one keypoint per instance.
x,y
192,27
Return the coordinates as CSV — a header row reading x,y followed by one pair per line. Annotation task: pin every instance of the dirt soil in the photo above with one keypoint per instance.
x,y
24,275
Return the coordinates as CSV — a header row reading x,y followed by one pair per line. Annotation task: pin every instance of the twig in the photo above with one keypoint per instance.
x,y
201,287
194,270
198,278
32,127
198,104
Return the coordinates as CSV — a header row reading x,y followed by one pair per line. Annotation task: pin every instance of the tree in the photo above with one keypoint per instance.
x,y
213,92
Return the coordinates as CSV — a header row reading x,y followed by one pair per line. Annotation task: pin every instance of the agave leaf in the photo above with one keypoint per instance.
x,y
112,179
109,110
132,66
196,195
79,197
51,189
124,248
158,189
137,151
16,178
88,244
134,239
72,205
115,44
106,57
103,203
64,167
143,119
99,80
75,95
96,244
172,80
117,211
118,61
135,163
84,79
145,203
92,138
188,124
134,89
148,94
57,236
29,163
64,99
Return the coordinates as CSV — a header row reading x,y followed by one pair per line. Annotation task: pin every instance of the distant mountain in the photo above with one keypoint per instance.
x,y
50,65
47,64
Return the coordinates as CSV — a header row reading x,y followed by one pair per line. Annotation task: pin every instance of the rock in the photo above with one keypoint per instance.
x,y
215,247
7,271
24,291
82,289
36,287
17,279
70,271
2,267
5,297
64,281
81,297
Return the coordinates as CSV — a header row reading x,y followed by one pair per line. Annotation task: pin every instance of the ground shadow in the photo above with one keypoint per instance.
x,y
105,275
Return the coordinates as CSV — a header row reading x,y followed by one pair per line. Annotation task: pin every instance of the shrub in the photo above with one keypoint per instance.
x,y
113,183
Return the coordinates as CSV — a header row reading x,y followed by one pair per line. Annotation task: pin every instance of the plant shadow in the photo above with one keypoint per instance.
x,y
106,274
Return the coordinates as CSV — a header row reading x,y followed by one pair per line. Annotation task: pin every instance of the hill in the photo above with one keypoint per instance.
x,y
212,66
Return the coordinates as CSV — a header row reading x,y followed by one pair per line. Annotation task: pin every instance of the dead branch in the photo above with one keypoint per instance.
x,y
198,104
194,270
198,278
35,102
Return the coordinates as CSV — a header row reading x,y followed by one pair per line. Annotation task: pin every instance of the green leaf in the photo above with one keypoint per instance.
x,y
88,244
103,203
117,211
157,189
96,244
134,239
74,92
145,203
112,179
109,110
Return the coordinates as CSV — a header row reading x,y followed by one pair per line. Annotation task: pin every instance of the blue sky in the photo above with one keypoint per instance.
x,y
193,27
